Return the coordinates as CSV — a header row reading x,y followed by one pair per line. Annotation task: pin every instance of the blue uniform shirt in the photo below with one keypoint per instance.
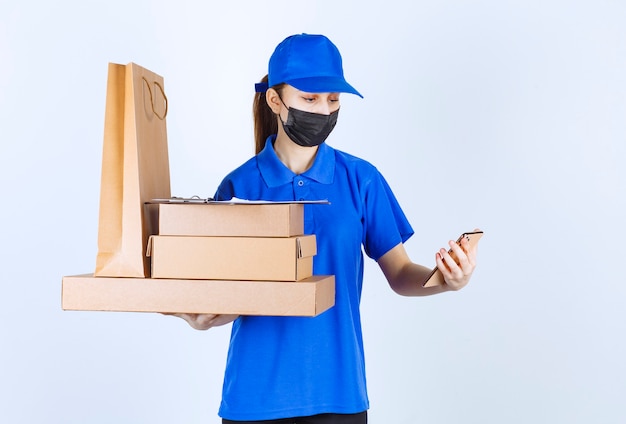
x,y
297,366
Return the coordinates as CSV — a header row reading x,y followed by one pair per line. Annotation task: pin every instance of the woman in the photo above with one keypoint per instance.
x,y
311,370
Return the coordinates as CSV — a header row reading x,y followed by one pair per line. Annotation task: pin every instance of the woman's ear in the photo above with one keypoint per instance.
x,y
273,100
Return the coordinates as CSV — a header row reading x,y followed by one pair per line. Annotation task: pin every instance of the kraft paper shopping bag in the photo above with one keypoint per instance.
x,y
135,169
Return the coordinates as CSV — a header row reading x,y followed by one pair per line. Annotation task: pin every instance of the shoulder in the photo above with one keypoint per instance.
x,y
350,161
361,174
237,178
244,170
354,165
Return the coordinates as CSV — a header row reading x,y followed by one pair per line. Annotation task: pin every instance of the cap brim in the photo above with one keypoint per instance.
x,y
323,85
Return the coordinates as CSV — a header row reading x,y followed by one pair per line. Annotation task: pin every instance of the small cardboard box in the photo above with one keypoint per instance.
x,y
309,297
231,219
232,258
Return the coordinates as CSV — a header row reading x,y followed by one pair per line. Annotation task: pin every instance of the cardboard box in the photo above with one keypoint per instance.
x,y
231,219
232,258
309,297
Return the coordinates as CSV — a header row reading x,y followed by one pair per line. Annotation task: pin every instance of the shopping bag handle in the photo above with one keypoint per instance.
x,y
152,99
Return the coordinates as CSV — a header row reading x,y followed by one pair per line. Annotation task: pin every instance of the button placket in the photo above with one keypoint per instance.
x,y
300,189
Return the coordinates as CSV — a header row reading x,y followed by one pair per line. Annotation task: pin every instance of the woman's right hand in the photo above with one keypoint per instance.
x,y
205,321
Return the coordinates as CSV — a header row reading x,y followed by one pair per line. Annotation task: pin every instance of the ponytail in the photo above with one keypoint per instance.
x,y
265,123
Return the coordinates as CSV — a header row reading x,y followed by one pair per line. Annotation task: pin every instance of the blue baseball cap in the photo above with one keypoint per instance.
x,y
310,63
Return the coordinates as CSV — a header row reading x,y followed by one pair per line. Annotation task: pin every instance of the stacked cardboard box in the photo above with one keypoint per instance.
x,y
309,297
232,241
218,257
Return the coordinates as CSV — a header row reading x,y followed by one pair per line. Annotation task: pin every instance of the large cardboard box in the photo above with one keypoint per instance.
x,y
309,297
232,258
231,219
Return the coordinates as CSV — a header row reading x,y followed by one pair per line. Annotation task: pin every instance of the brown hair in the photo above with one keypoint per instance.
x,y
265,123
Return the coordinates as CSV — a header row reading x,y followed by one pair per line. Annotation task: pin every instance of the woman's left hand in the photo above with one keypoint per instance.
x,y
457,273
205,321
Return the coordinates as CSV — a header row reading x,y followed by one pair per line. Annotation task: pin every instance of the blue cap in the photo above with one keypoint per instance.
x,y
310,63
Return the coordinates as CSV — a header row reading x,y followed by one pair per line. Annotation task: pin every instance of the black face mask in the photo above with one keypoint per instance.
x,y
308,129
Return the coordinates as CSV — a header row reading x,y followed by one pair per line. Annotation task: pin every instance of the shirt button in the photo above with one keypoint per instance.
x,y
300,183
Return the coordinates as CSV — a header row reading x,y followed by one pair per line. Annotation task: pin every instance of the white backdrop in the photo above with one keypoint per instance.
x,y
506,115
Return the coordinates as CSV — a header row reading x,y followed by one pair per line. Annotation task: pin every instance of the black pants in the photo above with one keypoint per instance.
x,y
360,418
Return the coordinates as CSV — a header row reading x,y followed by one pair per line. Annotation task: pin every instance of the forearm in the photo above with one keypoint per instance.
x,y
406,277
410,279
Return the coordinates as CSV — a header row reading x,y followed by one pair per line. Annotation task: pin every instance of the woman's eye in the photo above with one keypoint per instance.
x,y
308,99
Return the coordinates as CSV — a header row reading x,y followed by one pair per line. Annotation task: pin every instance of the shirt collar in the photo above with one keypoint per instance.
x,y
275,173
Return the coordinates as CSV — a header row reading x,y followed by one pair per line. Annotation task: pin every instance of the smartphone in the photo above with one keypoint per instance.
x,y
436,277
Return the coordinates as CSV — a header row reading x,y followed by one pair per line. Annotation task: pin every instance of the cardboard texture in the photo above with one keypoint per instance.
x,y
135,169
233,258
227,219
309,297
